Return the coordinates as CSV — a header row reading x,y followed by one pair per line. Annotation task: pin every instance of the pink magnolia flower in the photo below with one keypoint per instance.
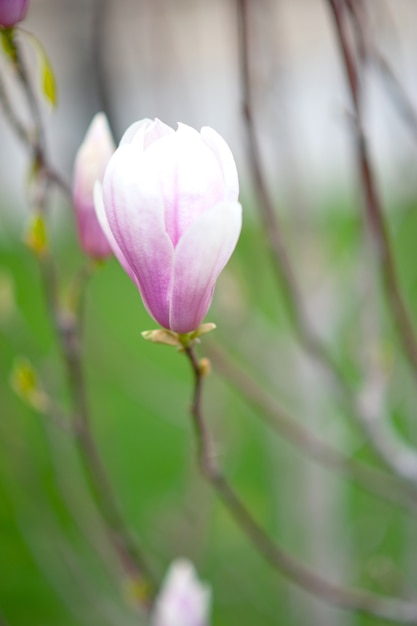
x,y
169,209
12,11
90,163
183,599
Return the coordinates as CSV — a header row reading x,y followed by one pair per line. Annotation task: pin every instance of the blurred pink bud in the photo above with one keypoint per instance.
x,y
90,163
12,11
169,208
183,599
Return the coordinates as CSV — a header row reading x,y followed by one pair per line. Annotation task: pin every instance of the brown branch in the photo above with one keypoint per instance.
x,y
391,609
15,123
279,257
378,482
66,326
34,140
373,54
40,141
373,206
67,330
396,455
397,91
99,39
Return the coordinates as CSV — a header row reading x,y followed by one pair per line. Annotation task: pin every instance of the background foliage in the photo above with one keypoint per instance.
x,y
56,567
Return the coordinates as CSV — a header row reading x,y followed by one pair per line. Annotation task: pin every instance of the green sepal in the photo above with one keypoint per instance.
x,y
177,340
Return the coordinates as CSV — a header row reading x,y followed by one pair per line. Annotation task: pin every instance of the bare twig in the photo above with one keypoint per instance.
x,y
99,39
374,55
67,329
280,261
378,482
66,326
373,207
40,141
391,609
17,126
33,139
312,343
397,91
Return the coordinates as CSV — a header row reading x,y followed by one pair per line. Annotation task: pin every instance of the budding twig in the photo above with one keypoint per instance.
x,y
33,139
67,327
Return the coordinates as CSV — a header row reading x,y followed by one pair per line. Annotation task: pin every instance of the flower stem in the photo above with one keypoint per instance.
x,y
391,609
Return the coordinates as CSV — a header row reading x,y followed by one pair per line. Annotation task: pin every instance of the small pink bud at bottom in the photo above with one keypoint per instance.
x,y
183,599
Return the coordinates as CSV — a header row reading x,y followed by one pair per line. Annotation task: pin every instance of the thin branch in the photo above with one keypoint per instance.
x,y
66,326
391,453
39,145
373,206
378,482
34,140
391,609
99,39
368,43
397,91
40,141
17,126
279,257
67,329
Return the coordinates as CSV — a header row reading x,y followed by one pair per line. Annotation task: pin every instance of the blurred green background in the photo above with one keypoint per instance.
x,y
55,563
178,61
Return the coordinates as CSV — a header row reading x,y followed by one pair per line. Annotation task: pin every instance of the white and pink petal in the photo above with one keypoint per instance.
x,y
135,215
199,258
189,177
227,164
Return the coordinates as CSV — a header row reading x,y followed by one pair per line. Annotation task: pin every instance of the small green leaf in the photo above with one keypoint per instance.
x,y
48,83
24,382
8,43
36,238
23,378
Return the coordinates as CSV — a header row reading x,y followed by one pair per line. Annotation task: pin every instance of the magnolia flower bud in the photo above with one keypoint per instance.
x,y
169,209
90,163
183,600
12,12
